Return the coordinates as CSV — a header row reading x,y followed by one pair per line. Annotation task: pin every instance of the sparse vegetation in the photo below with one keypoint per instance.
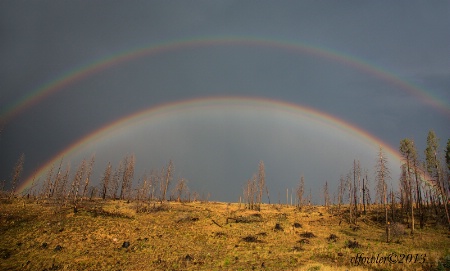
x,y
65,223
111,235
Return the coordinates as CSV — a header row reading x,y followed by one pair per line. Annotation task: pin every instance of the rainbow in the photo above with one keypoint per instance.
x,y
82,72
204,105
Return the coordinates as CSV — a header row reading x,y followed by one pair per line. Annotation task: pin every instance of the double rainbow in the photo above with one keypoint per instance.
x,y
83,72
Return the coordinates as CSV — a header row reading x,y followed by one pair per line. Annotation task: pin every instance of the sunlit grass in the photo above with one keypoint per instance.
x,y
196,236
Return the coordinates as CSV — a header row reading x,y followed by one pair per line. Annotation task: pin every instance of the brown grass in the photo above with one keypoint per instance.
x,y
197,236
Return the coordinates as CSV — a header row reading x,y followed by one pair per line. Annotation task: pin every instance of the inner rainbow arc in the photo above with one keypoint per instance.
x,y
312,114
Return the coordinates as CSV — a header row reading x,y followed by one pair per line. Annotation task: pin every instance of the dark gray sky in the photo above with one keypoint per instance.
x,y
218,150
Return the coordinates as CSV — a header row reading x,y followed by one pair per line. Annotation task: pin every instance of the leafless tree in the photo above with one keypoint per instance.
x,y
106,180
250,192
356,185
261,182
383,174
365,190
181,188
326,195
153,183
47,185
195,196
350,187
88,176
54,185
127,177
409,154
435,170
166,178
115,181
341,191
300,192
17,171
403,182
76,182
62,188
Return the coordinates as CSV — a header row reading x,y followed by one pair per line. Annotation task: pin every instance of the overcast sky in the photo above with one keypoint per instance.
x,y
217,150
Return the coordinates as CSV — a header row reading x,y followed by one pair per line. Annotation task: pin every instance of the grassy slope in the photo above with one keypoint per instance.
x,y
172,239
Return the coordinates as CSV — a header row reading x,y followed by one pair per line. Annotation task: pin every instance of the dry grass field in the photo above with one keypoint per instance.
x,y
111,235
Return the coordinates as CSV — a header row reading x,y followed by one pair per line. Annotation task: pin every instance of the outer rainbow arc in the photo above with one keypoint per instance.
x,y
99,65
211,103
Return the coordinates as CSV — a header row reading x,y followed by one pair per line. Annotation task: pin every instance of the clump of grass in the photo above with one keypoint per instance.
x,y
278,227
304,241
220,234
5,253
152,208
251,239
246,219
307,234
186,218
100,212
397,230
297,248
352,244
332,238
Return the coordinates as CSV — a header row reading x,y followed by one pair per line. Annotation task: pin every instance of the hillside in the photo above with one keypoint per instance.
x,y
111,235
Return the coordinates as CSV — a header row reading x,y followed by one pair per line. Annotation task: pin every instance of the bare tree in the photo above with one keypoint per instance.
x,y
62,189
365,191
76,182
106,180
250,192
195,196
383,174
348,183
165,183
435,171
181,188
409,153
115,181
309,197
127,177
261,182
326,195
17,171
55,185
403,182
300,192
341,191
88,176
356,185
47,185
153,183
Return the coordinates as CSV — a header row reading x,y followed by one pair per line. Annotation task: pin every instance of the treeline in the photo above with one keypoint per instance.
x,y
422,191
421,194
61,188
